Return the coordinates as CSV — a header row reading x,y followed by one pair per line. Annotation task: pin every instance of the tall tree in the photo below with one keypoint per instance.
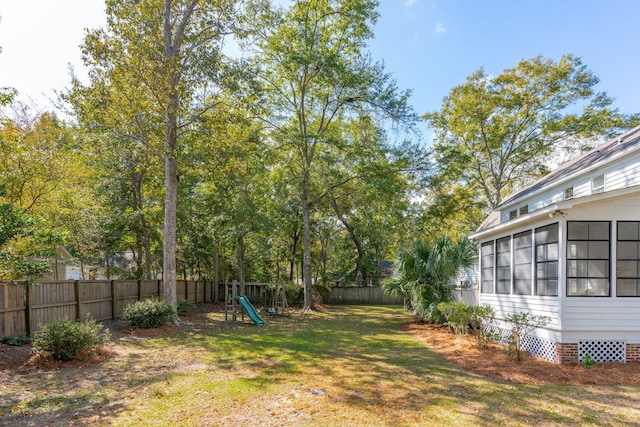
x,y
172,50
315,72
494,133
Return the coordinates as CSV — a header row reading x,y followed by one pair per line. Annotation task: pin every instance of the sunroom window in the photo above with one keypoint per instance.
x,y
503,265
588,258
628,259
486,274
546,241
522,263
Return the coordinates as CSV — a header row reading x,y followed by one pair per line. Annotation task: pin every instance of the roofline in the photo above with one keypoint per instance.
x,y
556,208
569,177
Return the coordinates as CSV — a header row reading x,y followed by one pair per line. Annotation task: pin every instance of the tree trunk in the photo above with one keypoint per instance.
x,y
240,252
306,233
216,265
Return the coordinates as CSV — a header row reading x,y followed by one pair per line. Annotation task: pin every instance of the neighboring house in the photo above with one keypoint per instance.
x,y
568,247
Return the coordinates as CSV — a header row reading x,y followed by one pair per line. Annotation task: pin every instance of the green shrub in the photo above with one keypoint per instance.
x,y
16,340
295,294
521,325
456,315
149,313
588,361
63,339
185,306
475,320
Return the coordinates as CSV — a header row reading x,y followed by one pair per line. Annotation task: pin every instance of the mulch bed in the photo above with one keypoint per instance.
x,y
494,362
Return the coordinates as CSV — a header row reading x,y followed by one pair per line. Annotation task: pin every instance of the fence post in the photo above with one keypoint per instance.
x,y
113,300
139,289
76,290
186,290
159,289
27,308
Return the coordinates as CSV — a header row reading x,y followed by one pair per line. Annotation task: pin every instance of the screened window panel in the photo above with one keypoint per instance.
x,y
628,287
577,250
598,287
503,245
599,250
522,240
503,286
588,252
487,260
504,273
504,258
547,287
522,256
627,250
627,269
577,230
598,230
598,269
628,259
546,241
628,230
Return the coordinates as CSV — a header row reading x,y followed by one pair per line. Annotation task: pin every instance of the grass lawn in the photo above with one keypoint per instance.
x,y
351,366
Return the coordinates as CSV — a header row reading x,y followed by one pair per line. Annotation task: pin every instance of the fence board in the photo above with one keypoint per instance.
x,y
367,295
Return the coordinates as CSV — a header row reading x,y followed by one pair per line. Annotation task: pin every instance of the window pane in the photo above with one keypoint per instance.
x,y
627,250
503,245
598,268
627,287
522,256
599,230
547,234
574,287
577,250
598,287
599,250
627,268
577,230
552,270
522,240
628,230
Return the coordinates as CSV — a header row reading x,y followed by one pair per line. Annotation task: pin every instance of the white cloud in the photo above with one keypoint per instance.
x,y
440,28
409,3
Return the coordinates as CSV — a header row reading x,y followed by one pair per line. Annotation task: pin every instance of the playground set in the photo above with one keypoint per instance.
x,y
275,304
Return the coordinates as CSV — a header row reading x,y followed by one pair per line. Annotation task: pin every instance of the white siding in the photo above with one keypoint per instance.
x,y
535,305
601,318
623,175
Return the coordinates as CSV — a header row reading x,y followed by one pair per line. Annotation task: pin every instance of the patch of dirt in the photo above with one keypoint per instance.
x,y
494,362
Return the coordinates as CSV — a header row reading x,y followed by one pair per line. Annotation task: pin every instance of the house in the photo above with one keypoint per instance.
x,y
568,247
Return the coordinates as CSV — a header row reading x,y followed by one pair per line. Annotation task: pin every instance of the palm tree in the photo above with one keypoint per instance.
x,y
425,272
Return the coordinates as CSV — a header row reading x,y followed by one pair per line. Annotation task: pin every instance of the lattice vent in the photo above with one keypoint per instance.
x,y
535,346
540,347
499,335
603,351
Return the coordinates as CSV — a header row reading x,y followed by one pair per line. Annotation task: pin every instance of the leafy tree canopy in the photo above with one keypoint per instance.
x,y
494,134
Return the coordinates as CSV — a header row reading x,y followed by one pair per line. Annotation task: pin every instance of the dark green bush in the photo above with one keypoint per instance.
x,y
149,313
185,306
295,294
16,340
476,320
63,339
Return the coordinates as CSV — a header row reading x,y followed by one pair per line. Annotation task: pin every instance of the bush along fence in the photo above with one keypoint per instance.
x,y
24,307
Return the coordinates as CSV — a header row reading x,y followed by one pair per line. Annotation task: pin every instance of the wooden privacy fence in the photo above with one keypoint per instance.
x,y
24,307
365,295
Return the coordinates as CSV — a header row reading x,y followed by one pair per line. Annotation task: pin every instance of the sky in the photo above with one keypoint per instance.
x,y
429,46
